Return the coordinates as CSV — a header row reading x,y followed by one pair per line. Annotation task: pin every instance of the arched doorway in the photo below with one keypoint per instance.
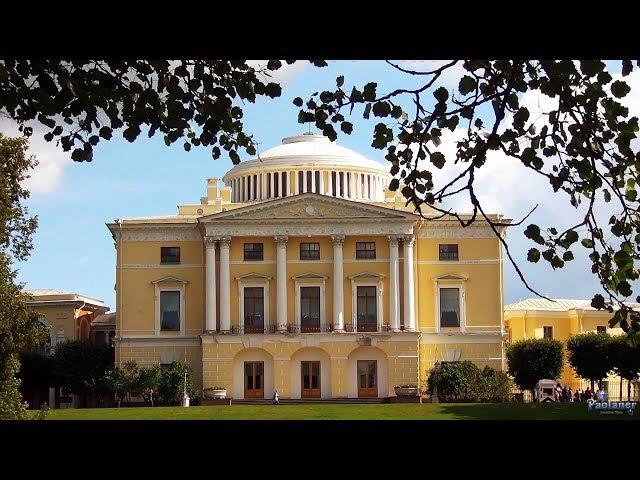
x,y
367,373
310,373
253,374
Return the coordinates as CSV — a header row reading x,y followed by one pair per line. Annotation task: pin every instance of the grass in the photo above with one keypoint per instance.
x,y
440,411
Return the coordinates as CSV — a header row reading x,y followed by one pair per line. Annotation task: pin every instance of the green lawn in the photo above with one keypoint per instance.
x,y
510,411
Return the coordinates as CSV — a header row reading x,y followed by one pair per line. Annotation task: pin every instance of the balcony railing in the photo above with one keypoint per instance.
x,y
297,329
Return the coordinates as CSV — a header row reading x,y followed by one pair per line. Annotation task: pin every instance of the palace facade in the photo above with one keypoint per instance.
x,y
303,273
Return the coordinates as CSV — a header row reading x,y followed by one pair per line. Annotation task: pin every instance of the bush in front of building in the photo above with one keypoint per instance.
x,y
465,382
535,359
590,356
80,367
171,385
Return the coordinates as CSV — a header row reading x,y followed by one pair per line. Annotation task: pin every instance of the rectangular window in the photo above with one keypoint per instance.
x,y
309,251
269,185
448,252
334,187
547,332
253,310
169,255
309,178
349,184
300,181
366,250
601,329
341,175
367,309
255,187
284,184
169,311
309,309
317,181
253,251
449,307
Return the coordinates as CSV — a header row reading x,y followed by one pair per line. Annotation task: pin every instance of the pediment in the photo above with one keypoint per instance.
x,y
365,275
169,279
450,276
309,276
253,276
310,206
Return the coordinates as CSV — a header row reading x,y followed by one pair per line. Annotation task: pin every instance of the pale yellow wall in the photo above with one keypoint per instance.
x,y
57,316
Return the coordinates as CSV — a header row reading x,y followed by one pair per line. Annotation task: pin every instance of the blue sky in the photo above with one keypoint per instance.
x,y
74,250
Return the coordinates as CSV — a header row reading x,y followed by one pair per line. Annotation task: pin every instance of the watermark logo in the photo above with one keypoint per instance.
x,y
611,407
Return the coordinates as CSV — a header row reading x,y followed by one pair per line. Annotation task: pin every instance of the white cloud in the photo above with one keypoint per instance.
x,y
285,74
46,178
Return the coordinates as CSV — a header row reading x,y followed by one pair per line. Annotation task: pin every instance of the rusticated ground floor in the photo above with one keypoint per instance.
x,y
314,365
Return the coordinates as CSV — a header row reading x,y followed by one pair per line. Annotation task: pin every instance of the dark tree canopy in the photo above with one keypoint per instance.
x,y
529,361
589,354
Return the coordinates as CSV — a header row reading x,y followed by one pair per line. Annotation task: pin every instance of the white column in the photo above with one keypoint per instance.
x,y
304,181
367,187
245,181
394,320
281,279
210,284
338,283
322,183
296,182
409,292
259,187
330,181
225,285
313,181
352,185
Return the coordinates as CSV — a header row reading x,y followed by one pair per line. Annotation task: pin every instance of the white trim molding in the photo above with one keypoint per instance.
x,y
253,280
366,279
169,284
451,280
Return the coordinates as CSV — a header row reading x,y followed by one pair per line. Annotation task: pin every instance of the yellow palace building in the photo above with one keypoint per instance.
x,y
303,273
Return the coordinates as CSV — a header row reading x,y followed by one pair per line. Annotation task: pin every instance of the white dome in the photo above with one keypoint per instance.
x,y
309,150
308,163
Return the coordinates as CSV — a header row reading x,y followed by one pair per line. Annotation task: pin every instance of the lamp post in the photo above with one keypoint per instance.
x,y
185,397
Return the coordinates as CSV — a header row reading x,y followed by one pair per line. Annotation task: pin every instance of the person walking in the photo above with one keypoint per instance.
x,y
570,395
276,398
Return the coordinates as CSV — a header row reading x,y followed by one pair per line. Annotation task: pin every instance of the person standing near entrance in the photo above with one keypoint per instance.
x,y
276,398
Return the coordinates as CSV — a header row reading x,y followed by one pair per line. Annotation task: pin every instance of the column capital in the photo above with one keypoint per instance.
x,y
395,239
210,242
224,241
281,239
408,240
337,240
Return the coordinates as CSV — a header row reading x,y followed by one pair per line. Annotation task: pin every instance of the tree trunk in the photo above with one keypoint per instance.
x,y
620,388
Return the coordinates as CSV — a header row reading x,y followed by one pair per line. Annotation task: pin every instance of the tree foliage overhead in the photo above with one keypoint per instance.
x,y
20,329
532,360
82,102
582,146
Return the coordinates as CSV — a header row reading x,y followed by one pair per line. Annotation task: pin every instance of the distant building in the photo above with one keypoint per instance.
x,y
68,316
559,319
103,329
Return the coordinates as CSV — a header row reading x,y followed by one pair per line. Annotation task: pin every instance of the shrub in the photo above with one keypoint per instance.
x,y
465,382
625,359
529,361
171,384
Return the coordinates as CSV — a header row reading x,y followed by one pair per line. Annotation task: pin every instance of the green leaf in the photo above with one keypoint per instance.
x,y
340,81
620,89
438,159
441,94
533,255
346,127
587,243
627,67
298,102
467,85
369,92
